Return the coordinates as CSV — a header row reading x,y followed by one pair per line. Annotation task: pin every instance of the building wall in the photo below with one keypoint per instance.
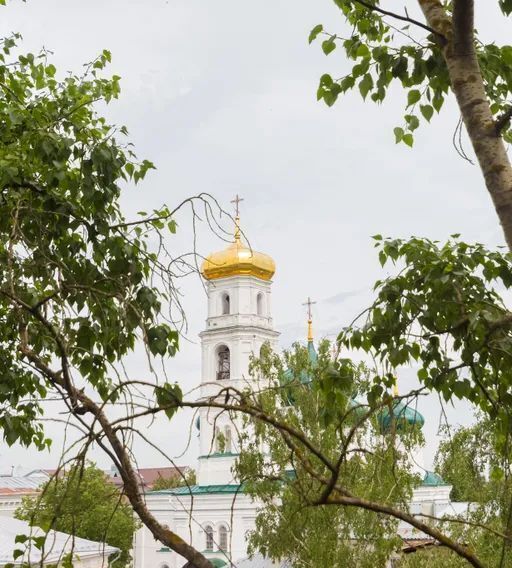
x,y
188,518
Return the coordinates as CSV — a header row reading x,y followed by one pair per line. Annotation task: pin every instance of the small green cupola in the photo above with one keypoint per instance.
x,y
303,376
433,479
401,414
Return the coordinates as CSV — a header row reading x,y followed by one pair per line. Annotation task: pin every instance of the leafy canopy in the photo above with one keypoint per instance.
x,y
78,285
83,502
291,523
384,51
444,312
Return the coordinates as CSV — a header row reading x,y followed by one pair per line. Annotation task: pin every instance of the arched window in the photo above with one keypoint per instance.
x,y
223,363
219,441
259,304
227,440
208,531
223,538
225,304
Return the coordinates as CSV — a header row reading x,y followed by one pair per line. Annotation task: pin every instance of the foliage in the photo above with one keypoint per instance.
x,y
443,311
173,481
467,458
84,503
80,286
463,460
285,478
384,52
75,277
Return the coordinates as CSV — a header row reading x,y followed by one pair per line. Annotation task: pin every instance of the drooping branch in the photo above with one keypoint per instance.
x,y
438,535
343,496
126,469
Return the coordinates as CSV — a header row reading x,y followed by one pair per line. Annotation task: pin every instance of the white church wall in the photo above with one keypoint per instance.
x,y
189,518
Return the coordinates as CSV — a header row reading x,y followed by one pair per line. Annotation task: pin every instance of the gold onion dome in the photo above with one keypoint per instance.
x,y
238,260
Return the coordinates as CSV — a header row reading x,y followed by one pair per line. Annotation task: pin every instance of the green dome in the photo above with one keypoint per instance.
x,y
360,409
433,479
304,377
401,415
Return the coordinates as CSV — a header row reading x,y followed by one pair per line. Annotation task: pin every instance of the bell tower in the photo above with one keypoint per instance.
x,y
238,323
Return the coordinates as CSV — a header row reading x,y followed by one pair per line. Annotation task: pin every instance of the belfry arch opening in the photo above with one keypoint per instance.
x,y
223,363
225,304
228,448
259,304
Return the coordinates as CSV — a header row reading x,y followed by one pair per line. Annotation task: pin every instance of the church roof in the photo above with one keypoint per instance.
x,y
203,489
56,546
401,414
238,259
432,479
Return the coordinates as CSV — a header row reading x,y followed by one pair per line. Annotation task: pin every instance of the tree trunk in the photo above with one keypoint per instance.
x,y
468,85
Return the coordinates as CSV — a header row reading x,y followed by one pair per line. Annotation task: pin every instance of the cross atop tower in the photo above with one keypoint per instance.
x,y
309,303
236,201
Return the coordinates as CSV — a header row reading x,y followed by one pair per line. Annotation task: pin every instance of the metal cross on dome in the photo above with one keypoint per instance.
x,y
309,303
236,201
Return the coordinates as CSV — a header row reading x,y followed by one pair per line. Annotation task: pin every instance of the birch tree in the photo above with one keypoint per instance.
x,y
432,55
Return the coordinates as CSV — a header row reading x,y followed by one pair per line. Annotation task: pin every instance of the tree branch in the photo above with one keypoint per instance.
x,y
374,8
126,470
461,550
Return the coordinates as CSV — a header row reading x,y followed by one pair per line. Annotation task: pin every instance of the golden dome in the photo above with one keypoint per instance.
x,y
238,260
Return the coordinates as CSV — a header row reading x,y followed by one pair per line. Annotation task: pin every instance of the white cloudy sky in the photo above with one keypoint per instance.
x,y
221,96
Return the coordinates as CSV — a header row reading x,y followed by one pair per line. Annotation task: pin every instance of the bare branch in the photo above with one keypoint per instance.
x,y
374,8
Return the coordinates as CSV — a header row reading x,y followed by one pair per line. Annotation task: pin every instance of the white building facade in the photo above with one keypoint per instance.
x,y
215,516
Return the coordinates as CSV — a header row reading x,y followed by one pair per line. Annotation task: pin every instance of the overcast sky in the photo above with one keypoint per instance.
x,y
221,96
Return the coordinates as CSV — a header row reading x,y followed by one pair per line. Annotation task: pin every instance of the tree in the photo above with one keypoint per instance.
x,y
444,313
175,481
80,286
288,525
84,503
463,460
429,57
467,457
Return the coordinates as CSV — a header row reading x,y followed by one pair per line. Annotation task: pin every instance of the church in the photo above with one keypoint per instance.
x,y
215,515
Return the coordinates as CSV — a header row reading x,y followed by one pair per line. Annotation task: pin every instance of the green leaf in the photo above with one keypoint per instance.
x,y
412,122
408,139
413,97
314,32
506,6
329,45
422,374
427,111
399,134
169,396
365,85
